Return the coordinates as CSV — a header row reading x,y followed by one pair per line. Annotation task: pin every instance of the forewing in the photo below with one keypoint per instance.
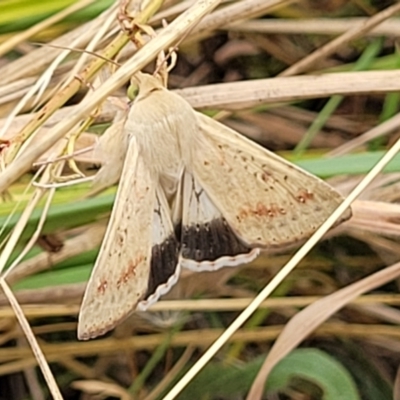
x,y
207,240
267,201
120,276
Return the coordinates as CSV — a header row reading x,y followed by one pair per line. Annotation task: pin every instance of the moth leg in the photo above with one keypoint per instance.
x,y
163,67
68,151
71,148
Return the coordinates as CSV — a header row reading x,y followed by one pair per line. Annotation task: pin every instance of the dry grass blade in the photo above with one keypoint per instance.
x,y
377,217
175,370
15,40
304,323
382,129
237,11
102,389
37,60
239,95
23,220
351,34
51,298
319,26
48,376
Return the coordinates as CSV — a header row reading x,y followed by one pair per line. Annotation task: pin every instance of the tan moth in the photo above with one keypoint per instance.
x,y
194,194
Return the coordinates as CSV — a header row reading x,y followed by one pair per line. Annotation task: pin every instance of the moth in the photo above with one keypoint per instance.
x,y
194,194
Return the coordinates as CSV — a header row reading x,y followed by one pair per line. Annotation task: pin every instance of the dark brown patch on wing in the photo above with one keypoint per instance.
x,y
164,259
210,241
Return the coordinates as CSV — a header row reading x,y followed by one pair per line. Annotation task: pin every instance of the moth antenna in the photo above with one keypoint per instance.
x,y
76,50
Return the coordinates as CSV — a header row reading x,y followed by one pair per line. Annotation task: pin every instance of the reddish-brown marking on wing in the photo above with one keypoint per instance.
x,y
243,214
130,271
275,210
101,289
260,210
304,195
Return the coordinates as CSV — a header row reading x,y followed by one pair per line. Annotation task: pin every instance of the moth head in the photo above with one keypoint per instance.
x,y
142,85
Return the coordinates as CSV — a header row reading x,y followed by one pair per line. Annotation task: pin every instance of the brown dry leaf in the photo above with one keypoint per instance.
x,y
306,321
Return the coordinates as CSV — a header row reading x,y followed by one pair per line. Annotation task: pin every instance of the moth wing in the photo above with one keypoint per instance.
x,y
119,279
111,150
207,240
267,201
165,267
